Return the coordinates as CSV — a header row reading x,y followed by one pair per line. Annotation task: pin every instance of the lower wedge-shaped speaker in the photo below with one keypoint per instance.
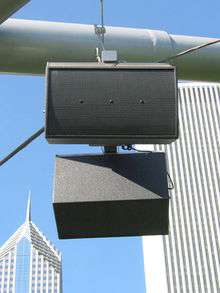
x,y
111,195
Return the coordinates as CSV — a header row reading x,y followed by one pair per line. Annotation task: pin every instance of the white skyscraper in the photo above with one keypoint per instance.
x,y
29,263
188,259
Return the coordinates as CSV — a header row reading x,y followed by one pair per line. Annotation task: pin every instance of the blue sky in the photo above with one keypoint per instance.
x,y
91,265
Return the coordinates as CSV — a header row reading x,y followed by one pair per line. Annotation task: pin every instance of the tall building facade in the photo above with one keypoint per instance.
x,y
29,263
188,260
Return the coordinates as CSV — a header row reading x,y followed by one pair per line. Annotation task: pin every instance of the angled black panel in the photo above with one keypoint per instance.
x,y
111,195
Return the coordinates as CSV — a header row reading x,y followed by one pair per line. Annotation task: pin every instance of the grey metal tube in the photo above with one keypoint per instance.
x,y
26,46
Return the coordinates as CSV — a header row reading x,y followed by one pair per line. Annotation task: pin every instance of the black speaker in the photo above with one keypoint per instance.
x,y
111,195
111,104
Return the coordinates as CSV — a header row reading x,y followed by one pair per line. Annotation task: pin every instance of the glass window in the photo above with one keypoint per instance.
x,y
22,265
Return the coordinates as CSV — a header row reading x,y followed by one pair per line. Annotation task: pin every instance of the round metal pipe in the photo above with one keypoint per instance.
x,y
26,46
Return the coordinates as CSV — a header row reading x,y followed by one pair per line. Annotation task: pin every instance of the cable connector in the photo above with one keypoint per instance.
x,y
129,147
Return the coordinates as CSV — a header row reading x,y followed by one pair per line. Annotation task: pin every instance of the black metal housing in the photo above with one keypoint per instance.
x,y
111,195
111,104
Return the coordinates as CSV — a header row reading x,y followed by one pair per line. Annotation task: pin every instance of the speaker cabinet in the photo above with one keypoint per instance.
x,y
111,104
111,195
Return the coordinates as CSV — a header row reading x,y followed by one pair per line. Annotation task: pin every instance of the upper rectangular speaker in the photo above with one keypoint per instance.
x,y
111,104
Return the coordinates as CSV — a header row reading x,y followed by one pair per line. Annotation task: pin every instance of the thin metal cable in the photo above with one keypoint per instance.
x,y
22,146
188,51
171,185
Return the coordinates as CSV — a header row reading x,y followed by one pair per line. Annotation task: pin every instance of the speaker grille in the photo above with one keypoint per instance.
x,y
94,103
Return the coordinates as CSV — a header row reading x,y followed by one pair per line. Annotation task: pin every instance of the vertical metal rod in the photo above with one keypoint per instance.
x,y
102,21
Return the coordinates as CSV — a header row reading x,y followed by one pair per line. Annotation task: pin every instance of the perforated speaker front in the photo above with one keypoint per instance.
x,y
111,105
